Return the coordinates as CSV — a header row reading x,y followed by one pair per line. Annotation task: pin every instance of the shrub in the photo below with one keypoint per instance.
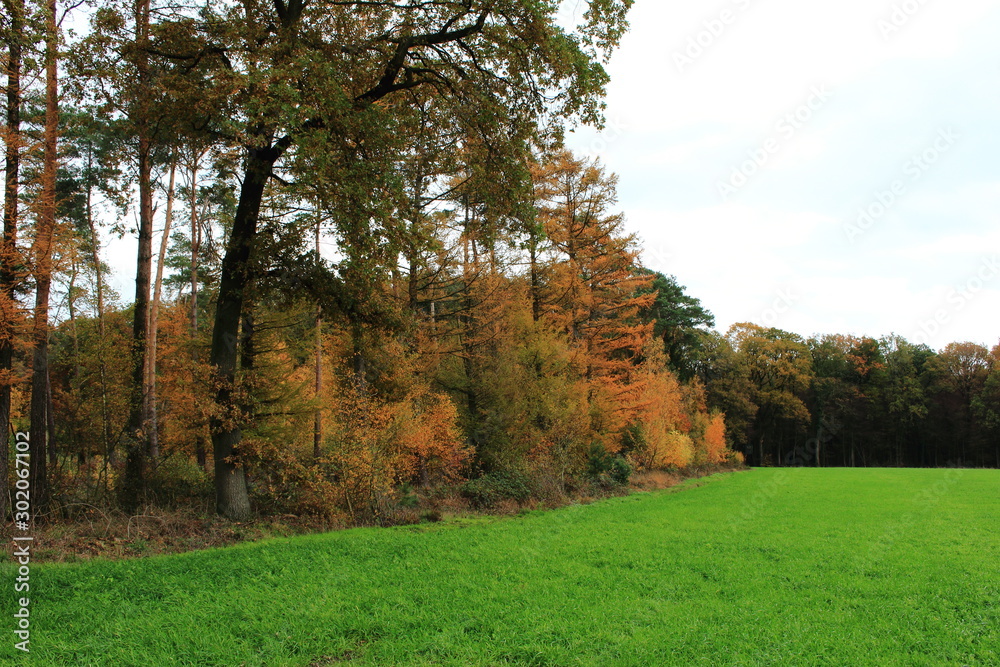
x,y
486,491
735,458
407,497
620,471
607,469
178,479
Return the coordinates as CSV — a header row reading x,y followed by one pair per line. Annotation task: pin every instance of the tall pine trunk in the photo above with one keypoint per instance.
x,y
199,440
466,337
135,435
318,415
8,250
154,316
43,270
95,255
536,297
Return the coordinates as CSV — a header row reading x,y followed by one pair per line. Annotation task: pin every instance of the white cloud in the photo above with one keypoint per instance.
x,y
687,130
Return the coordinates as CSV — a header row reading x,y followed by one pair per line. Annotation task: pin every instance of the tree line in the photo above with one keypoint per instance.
x,y
842,400
366,265
377,269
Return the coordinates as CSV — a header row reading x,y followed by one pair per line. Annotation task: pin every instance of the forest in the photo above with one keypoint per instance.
x,y
369,272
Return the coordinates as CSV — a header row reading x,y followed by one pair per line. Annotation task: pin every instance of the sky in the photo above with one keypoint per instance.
x,y
814,166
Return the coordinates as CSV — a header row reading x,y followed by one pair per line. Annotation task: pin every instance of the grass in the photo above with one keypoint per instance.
x,y
767,567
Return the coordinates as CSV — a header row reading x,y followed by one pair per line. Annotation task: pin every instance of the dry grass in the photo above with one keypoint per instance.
x,y
652,480
99,532
87,531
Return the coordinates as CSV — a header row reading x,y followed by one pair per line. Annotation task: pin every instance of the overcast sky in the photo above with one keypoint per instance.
x,y
749,137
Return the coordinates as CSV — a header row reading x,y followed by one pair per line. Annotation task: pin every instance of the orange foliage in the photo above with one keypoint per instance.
x,y
664,423
431,440
183,385
593,286
715,439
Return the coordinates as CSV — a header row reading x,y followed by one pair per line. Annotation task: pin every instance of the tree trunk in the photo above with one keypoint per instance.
x,y
412,280
195,239
50,419
468,323
43,270
358,364
318,415
8,251
536,297
109,443
231,497
154,316
76,380
200,454
135,434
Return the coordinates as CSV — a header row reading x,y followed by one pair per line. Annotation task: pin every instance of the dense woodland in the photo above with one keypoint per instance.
x,y
368,271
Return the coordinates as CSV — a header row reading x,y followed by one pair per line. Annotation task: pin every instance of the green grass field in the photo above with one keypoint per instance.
x,y
767,567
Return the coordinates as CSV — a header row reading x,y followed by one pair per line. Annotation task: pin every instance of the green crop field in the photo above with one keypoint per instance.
x,y
766,567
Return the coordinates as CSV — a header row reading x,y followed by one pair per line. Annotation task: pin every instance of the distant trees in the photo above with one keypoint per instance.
x,y
986,407
779,371
850,401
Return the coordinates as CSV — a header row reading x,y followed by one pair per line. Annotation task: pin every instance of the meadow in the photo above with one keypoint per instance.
x,y
763,567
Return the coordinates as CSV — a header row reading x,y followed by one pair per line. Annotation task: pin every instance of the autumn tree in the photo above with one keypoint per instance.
x,y
41,257
987,406
350,66
595,288
13,39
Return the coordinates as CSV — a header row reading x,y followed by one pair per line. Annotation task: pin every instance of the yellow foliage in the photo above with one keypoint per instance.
x,y
675,451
